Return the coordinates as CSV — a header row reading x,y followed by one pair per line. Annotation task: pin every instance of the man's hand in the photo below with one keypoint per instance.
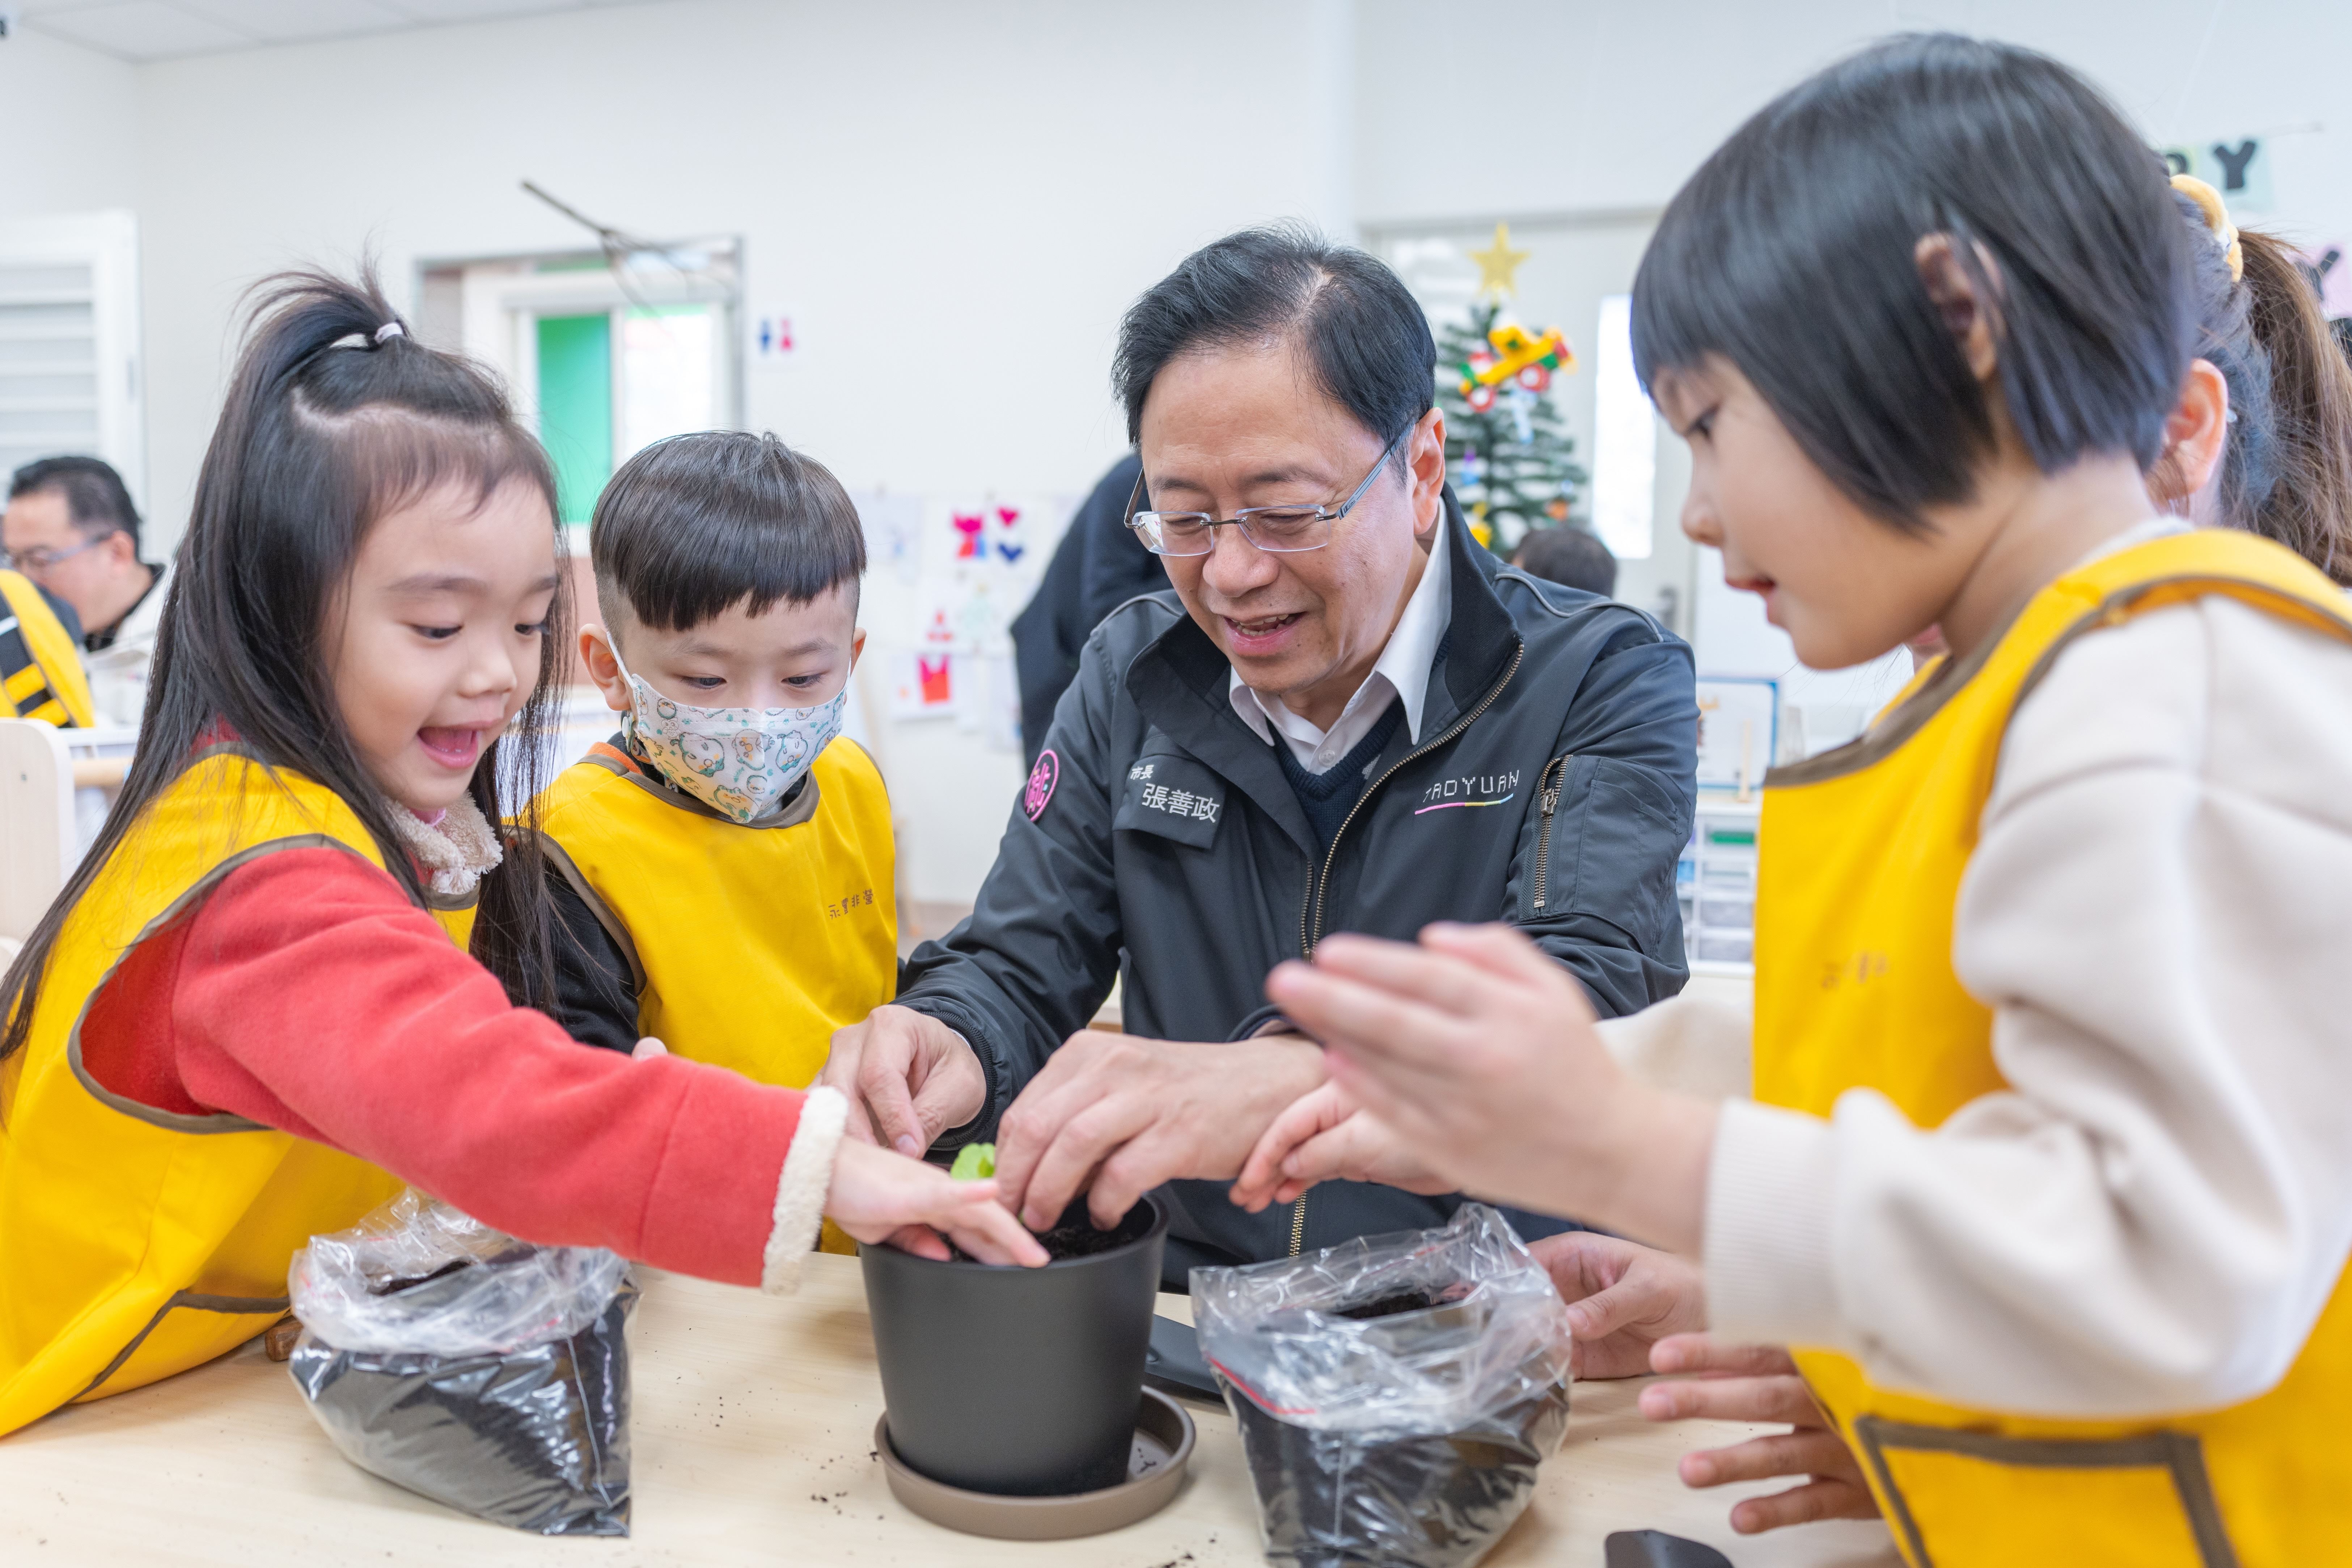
x,y
876,1195
1758,1382
1324,1137
1131,1113
907,1078
1622,1299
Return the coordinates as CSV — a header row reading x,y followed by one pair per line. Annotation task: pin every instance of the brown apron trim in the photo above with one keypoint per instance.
x,y
447,903
561,859
175,1121
2176,1452
1885,738
235,1305
799,809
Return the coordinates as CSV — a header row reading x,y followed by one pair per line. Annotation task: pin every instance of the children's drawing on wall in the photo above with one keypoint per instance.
x,y
922,685
894,532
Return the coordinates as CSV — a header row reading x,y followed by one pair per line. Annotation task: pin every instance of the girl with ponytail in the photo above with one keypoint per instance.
x,y
250,1017
2262,437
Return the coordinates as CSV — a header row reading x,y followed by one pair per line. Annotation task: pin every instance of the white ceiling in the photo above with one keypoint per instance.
x,y
168,29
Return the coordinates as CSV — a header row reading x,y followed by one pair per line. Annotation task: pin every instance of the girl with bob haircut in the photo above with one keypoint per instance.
x,y
249,1016
2048,1177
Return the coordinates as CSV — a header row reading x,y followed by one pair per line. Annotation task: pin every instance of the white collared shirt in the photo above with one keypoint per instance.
x,y
1402,672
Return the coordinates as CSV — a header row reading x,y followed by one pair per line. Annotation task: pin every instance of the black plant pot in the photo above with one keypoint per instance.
x,y
1020,1382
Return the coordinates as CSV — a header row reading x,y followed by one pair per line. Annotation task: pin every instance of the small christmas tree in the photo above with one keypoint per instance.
x,y
1511,464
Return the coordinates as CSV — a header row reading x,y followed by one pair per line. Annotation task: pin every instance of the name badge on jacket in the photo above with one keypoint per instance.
x,y
1172,797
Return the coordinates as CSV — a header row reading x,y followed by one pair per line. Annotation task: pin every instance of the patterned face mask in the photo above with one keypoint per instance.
x,y
740,762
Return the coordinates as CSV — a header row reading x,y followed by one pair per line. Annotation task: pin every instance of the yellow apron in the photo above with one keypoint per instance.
x,y
1864,849
135,1242
40,670
749,945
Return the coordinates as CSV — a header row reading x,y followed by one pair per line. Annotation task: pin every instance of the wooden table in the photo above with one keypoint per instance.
x,y
753,1424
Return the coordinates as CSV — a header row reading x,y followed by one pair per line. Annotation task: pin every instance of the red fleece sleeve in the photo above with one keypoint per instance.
x,y
312,996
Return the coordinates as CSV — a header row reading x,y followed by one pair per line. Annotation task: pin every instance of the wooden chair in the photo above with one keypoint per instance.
x,y
39,845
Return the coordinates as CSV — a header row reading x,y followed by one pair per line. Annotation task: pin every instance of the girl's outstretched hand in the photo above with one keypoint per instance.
x,y
1758,1382
1477,1049
879,1195
1324,1136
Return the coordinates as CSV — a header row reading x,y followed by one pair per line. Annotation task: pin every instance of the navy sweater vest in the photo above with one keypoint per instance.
x,y
1327,797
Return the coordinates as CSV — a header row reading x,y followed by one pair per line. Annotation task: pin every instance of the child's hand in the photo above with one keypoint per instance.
x,y
1622,1299
648,1048
1324,1137
877,1195
1758,1382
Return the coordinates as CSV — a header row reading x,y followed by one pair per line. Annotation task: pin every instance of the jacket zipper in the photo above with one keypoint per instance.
x,y
1550,787
1319,884
1309,935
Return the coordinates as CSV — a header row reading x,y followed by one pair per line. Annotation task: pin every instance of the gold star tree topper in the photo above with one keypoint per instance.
x,y
1497,268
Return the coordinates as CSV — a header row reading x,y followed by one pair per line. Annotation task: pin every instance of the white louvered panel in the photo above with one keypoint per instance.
x,y
69,342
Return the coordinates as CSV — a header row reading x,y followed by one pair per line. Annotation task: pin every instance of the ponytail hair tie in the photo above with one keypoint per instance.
x,y
2216,221
394,330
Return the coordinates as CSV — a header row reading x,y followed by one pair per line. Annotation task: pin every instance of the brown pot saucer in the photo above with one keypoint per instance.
x,y
1163,1444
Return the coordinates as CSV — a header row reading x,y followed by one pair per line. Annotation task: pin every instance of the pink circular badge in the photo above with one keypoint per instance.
x,y
1041,779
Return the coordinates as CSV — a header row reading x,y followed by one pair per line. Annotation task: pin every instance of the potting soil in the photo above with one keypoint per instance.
x,y
1395,1395
486,1374
1079,1237
1334,1500
536,1438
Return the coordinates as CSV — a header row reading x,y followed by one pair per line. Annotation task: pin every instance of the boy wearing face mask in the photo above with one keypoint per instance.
x,y
722,865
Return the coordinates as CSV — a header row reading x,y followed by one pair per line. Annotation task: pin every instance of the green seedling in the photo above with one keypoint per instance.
x,y
974,1162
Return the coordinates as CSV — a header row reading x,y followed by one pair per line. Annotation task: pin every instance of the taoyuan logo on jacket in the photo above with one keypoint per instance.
x,y
1469,789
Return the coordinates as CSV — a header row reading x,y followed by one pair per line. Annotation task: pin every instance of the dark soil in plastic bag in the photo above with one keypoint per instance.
x,y
1396,1395
537,1438
1333,1499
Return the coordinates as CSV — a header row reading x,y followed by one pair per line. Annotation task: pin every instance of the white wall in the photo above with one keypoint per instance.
x,y
69,125
1615,105
957,200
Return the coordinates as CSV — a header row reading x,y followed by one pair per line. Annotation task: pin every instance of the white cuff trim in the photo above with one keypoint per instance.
x,y
801,1190
1771,1190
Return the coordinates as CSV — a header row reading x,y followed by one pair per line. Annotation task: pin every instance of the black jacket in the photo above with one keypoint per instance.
x,y
1169,849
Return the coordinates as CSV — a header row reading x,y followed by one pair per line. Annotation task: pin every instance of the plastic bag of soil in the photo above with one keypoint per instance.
x,y
1395,1395
486,1374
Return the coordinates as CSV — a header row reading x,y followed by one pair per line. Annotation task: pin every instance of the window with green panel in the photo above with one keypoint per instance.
x,y
575,408
612,381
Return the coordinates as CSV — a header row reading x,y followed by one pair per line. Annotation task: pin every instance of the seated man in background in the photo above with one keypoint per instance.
x,y
1567,554
1342,716
70,527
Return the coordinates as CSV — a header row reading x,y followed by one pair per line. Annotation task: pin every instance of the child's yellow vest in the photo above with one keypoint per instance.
x,y
135,1242
1863,850
749,945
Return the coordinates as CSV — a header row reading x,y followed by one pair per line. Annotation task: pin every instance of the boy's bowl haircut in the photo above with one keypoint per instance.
x,y
695,525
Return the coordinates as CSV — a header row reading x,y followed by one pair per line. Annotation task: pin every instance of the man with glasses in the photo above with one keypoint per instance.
x,y
1345,716
70,527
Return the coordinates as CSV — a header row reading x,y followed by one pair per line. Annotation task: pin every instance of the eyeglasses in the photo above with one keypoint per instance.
x,y
1279,530
39,559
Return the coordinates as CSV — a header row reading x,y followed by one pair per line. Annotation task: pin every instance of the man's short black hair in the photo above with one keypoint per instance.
x,y
1352,320
694,525
1791,254
1568,554
96,497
